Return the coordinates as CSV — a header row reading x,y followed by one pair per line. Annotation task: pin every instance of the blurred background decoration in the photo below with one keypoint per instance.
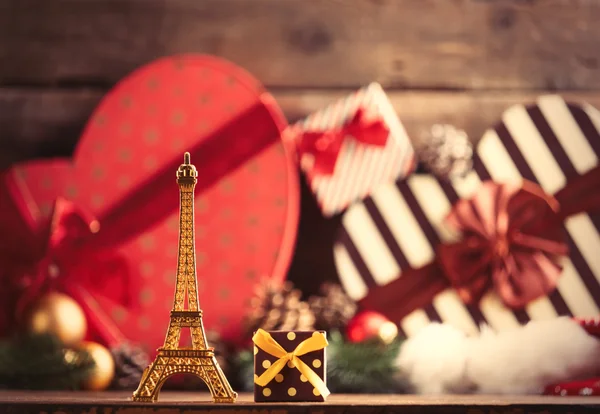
x,y
450,69
460,62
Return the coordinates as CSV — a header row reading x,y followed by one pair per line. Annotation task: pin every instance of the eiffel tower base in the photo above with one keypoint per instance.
x,y
168,362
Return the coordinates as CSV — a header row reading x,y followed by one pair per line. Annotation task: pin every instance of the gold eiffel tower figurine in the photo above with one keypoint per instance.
x,y
199,359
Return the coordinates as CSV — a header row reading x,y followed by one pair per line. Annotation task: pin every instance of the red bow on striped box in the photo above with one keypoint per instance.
x,y
528,201
351,147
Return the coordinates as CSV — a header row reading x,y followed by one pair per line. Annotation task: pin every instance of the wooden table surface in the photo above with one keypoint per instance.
x,y
189,403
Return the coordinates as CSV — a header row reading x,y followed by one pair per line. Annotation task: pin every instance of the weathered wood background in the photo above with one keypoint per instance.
x,y
457,61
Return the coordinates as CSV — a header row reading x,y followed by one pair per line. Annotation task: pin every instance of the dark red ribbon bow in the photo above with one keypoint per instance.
x,y
325,145
505,244
512,240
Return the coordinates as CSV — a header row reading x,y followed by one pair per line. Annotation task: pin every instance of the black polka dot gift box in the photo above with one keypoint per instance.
x,y
290,366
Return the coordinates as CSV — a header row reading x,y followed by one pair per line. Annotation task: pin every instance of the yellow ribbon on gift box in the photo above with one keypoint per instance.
x,y
265,341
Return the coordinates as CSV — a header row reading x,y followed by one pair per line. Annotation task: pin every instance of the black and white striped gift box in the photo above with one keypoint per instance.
x,y
398,227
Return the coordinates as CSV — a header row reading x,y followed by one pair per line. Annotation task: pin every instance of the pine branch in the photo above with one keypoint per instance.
x,y
366,367
41,362
243,365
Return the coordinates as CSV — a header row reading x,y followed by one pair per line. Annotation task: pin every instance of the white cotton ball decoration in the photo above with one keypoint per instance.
x,y
441,359
434,360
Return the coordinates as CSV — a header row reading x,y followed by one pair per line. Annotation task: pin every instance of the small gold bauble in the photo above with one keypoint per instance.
x,y
388,332
104,370
57,314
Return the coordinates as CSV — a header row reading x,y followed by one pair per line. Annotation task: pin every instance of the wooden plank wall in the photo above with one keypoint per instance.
x,y
457,61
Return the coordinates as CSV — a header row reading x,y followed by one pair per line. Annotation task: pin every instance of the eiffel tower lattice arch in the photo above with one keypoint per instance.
x,y
200,359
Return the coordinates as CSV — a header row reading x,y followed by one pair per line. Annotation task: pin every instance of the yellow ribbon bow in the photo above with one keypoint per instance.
x,y
265,341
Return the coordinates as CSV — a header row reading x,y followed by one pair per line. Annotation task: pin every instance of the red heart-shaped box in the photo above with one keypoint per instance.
x,y
123,174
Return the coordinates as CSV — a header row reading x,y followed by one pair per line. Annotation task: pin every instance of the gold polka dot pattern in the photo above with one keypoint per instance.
x,y
178,117
125,128
123,182
46,183
146,297
100,120
147,242
126,101
45,209
118,314
97,200
151,136
125,155
71,191
144,323
146,269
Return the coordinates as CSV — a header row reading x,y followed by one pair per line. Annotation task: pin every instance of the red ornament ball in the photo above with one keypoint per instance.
x,y
368,325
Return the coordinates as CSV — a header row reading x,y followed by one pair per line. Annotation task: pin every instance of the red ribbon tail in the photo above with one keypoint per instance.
x,y
414,289
581,194
100,325
19,219
249,134
369,131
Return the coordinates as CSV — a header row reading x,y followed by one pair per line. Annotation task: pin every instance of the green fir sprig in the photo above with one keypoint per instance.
x,y
41,362
365,367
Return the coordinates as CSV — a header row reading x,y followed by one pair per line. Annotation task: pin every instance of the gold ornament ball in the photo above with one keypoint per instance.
x,y
388,332
57,314
104,370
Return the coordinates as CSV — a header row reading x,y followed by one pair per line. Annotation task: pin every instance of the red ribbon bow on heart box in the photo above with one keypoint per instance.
x,y
512,240
60,255
326,145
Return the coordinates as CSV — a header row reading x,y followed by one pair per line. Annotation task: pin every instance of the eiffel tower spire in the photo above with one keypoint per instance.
x,y
199,359
186,280
186,269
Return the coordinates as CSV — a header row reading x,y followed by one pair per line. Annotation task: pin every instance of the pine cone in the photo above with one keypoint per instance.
x,y
332,308
130,362
445,152
278,307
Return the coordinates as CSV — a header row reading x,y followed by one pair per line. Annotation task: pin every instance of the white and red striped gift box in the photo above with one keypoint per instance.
x,y
400,225
360,168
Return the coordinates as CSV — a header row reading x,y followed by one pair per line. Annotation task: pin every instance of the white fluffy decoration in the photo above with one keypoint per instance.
x,y
441,359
